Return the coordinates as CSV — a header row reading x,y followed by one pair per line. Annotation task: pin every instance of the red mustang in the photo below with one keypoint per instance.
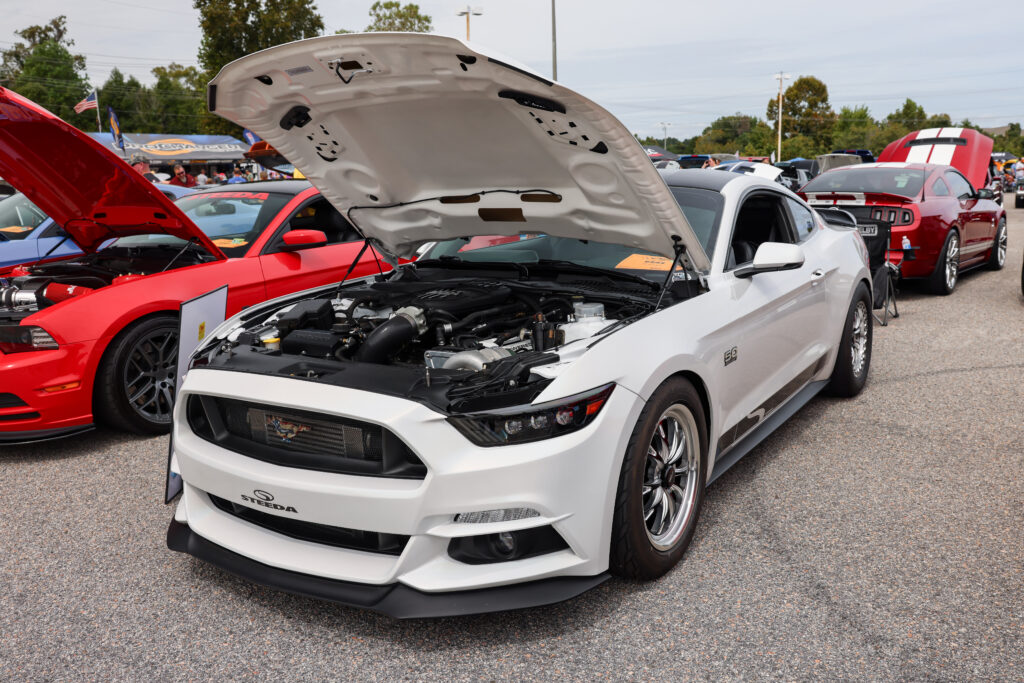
x,y
924,189
96,336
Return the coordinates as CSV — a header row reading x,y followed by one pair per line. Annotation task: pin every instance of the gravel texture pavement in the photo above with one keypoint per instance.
x,y
879,538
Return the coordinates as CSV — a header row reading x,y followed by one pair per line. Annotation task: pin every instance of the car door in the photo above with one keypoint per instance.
x,y
977,231
285,272
778,328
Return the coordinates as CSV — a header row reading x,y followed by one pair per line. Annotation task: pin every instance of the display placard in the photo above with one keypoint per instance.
x,y
197,317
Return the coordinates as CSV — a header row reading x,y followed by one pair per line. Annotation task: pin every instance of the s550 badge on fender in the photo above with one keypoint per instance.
x,y
260,497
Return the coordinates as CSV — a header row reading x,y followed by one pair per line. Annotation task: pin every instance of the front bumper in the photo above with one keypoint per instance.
x,y
569,480
46,414
394,600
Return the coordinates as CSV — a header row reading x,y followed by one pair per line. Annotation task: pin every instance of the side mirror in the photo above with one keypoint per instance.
x,y
296,240
985,193
773,256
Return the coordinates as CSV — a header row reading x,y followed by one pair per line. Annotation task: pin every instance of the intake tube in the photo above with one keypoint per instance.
x,y
404,326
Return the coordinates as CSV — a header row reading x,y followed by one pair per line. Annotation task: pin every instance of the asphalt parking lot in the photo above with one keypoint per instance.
x,y
878,538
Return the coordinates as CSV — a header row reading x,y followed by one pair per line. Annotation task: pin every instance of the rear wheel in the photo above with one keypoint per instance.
x,y
854,358
661,486
997,259
135,381
947,270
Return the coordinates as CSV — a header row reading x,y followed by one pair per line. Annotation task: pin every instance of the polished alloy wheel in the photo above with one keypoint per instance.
x,y
952,261
1001,245
149,375
859,342
670,477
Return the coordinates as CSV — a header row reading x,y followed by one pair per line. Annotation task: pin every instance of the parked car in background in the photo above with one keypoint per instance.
x,y
938,220
826,162
95,336
510,419
28,235
865,155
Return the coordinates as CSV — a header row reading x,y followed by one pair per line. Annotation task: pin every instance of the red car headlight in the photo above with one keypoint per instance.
x,y
20,338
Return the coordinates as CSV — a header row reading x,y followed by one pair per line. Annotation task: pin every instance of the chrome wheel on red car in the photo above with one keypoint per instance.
x,y
947,270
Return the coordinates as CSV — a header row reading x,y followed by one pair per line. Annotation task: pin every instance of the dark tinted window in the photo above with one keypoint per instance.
x,y
19,217
905,182
958,185
802,219
703,211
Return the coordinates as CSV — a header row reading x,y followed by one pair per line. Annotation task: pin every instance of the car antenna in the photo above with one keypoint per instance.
x,y
924,182
680,250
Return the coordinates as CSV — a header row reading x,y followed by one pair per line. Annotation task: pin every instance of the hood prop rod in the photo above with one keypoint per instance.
x,y
680,250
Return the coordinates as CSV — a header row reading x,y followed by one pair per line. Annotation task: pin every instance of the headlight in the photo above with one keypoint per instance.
x,y
19,338
524,424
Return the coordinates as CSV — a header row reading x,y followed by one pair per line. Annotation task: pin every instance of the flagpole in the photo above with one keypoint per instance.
x,y
99,126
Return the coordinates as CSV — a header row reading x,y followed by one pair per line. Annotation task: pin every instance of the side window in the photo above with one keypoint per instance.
x,y
939,188
319,215
958,184
803,220
761,218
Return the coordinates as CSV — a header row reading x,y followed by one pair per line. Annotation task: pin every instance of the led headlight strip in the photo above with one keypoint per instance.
x,y
523,424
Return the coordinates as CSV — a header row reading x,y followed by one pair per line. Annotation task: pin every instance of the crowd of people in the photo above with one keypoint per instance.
x,y
205,175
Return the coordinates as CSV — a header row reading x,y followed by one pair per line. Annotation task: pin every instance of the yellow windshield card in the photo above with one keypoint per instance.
x,y
16,228
645,262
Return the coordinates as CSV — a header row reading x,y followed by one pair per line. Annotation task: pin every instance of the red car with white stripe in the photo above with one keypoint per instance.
x,y
95,336
924,188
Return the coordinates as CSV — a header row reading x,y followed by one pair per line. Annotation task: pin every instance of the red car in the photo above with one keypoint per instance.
x,y
95,336
924,189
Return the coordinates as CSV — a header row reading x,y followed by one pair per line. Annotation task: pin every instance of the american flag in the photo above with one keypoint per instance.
x,y
88,103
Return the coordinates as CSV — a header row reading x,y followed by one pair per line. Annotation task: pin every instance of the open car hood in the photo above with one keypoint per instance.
x,y
965,149
79,183
422,137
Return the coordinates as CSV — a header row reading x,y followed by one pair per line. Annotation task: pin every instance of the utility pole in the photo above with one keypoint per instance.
x,y
781,77
554,45
664,134
469,11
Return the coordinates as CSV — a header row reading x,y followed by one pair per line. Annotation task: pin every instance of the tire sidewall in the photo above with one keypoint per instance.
x,y
844,382
628,526
938,281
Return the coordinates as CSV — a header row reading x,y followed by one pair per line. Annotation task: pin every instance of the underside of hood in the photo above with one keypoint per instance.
x,y
83,186
421,138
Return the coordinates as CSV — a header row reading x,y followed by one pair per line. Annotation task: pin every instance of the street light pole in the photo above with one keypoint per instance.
x,y
554,45
781,77
469,11
664,134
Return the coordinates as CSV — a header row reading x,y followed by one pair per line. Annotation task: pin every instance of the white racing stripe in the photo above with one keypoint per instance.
x,y
941,154
928,133
919,154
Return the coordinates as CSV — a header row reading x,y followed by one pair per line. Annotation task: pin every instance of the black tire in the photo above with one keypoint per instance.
x,y
153,340
634,551
1018,202
997,259
849,375
943,282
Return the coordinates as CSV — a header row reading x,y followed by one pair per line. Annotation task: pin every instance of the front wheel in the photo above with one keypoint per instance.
x,y
947,270
661,485
997,259
135,381
854,357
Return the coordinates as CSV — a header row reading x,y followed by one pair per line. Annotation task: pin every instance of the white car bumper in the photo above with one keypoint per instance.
x,y
570,482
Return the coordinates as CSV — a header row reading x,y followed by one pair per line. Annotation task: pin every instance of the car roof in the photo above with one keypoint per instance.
x,y
285,186
700,178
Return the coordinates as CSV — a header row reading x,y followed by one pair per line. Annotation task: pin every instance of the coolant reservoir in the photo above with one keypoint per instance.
x,y
589,321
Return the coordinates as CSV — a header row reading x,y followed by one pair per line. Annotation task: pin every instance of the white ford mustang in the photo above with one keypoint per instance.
x,y
540,400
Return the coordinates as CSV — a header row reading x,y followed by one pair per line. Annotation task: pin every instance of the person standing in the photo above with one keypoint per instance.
x,y
201,179
181,178
141,164
236,176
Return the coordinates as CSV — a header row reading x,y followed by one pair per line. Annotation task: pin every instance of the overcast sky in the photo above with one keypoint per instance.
x,y
652,61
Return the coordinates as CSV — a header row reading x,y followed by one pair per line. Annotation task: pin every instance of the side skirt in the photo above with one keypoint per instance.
x,y
769,425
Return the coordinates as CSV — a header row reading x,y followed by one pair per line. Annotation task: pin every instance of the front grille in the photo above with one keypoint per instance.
x,y
339,537
10,401
302,439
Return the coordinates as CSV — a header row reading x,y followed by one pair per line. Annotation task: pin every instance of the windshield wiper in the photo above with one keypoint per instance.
x,y
604,272
459,262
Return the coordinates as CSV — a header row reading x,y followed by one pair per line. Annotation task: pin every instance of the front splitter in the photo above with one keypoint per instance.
x,y
395,600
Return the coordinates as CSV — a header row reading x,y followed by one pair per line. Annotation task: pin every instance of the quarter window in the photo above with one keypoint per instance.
x,y
939,188
959,186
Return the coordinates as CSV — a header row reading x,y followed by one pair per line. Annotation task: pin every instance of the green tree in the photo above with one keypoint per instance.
x,y
53,78
234,28
854,128
12,60
741,133
391,15
911,116
176,99
805,111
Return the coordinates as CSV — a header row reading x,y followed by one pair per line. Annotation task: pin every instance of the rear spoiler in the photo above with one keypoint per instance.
x,y
837,217
854,198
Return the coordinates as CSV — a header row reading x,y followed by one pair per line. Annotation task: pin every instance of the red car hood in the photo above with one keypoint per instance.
x,y
84,187
965,149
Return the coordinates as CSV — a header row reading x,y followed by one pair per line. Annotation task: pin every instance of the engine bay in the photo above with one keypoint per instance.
x,y
449,340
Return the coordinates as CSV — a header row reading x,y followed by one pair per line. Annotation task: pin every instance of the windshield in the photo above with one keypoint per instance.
x,y
19,217
703,210
905,182
232,220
